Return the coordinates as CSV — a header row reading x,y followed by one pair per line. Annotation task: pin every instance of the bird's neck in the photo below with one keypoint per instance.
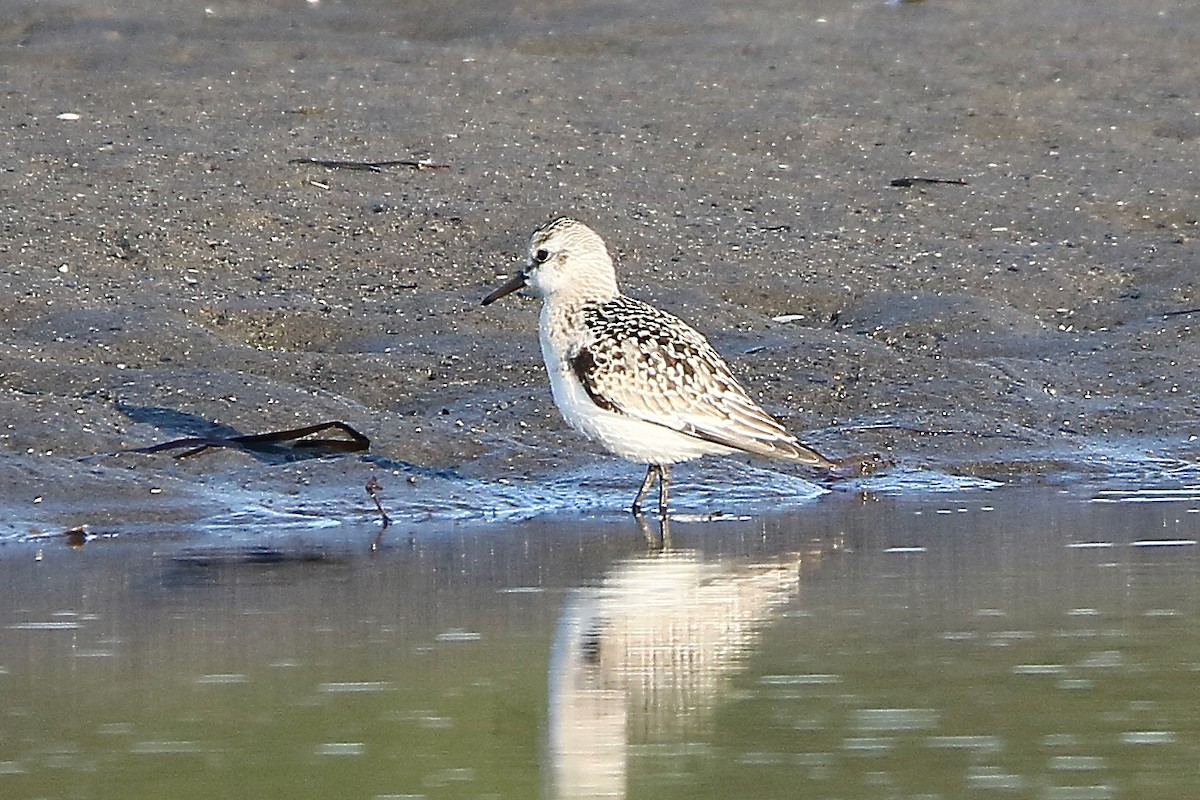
x,y
588,286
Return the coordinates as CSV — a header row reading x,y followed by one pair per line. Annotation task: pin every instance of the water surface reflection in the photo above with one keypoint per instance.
x,y
1026,644
647,652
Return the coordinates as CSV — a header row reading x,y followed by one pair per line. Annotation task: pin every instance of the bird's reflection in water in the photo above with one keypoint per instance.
x,y
645,655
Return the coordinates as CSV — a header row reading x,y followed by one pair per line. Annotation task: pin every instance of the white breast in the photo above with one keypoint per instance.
x,y
630,438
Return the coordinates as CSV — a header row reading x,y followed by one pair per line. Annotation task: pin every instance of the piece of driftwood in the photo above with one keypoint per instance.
x,y
906,182
367,166
291,442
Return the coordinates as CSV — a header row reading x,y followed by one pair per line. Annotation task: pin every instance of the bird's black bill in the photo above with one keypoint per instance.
x,y
514,283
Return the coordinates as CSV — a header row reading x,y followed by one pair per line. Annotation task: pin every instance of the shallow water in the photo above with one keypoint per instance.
x,y
170,270
1018,643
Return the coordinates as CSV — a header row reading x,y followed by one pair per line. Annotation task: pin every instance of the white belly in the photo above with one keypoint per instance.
x,y
630,438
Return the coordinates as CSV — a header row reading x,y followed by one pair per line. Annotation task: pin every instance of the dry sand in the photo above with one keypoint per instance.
x,y
166,269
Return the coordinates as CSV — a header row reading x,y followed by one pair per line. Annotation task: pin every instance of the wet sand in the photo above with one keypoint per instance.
x,y
166,269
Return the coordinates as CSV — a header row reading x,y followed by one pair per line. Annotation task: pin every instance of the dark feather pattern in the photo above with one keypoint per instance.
x,y
648,364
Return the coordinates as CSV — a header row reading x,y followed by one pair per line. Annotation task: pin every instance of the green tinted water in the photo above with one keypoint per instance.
x,y
1016,644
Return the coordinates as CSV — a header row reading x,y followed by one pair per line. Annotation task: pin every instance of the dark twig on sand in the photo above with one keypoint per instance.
x,y
1167,314
291,441
906,182
367,166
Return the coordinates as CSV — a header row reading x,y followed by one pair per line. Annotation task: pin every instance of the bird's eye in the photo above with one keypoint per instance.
x,y
541,256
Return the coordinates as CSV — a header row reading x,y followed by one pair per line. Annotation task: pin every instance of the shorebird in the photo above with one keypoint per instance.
x,y
642,382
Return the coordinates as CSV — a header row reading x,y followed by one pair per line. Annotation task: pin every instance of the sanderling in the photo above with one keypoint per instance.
x,y
642,382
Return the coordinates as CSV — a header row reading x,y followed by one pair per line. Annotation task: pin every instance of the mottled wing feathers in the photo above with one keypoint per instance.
x,y
648,364
584,365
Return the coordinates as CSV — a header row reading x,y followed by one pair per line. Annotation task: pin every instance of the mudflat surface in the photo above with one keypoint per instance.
x,y
164,269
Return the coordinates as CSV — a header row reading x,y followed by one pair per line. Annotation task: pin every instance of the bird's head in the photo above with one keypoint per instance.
x,y
565,259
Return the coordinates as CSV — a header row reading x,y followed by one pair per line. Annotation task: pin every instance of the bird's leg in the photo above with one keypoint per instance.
x,y
664,481
654,540
652,472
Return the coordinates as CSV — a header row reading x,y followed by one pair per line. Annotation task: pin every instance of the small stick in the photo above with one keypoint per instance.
x,y
373,489
367,166
905,182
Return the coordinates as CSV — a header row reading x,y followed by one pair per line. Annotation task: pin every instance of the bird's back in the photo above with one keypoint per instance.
x,y
637,360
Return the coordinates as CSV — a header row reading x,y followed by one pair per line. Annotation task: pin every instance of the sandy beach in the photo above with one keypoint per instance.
x,y
168,270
